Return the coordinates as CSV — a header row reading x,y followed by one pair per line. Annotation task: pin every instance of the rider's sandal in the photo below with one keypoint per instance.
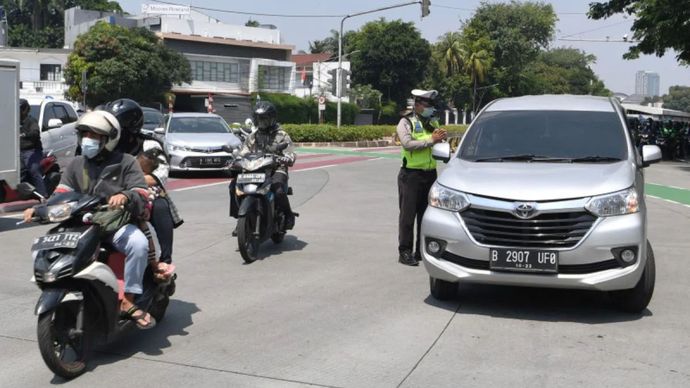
x,y
130,314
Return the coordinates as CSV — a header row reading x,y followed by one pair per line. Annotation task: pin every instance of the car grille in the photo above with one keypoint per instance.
x,y
207,150
547,230
564,269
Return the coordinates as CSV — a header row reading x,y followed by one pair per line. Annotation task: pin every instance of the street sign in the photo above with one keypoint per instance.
x,y
322,100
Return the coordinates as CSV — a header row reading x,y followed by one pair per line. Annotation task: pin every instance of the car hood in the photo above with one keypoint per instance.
x,y
198,140
537,181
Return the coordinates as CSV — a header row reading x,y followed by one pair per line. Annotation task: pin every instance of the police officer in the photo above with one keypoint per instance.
x,y
418,131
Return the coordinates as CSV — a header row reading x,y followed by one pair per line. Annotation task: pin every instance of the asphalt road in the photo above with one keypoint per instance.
x,y
332,307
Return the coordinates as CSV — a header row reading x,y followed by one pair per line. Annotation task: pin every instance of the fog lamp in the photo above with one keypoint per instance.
x,y
433,247
628,255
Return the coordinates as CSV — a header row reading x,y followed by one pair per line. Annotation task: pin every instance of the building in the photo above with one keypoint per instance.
x,y
40,71
647,83
314,76
228,62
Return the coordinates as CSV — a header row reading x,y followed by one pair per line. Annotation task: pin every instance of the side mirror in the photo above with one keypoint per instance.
x,y
650,154
54,123
441,151
159,131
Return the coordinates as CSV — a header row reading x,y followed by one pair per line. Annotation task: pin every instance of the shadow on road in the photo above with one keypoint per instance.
x,y
269,248
198,174
538,304
150,342
7,224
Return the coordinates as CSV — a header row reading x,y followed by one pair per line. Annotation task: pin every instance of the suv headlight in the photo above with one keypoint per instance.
x,y
614,204
447,199
174,147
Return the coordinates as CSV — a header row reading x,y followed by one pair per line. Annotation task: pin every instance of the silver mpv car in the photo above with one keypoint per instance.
x,y
544,191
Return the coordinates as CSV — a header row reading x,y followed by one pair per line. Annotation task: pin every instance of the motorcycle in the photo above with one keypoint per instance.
x,y
81,279
50,172
243,130
258,218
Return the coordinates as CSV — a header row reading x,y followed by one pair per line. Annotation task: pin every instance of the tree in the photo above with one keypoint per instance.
x,y
564,70
678,98
392,57
330,44
40,23
252,23
476,59
450,52
658,25
518,31
122,62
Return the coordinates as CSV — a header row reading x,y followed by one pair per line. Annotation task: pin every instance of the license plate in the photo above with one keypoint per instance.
x,y
523,260
55,241
210,161
251,178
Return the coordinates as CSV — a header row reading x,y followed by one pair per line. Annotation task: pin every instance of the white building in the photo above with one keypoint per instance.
x,y
40,72
314,76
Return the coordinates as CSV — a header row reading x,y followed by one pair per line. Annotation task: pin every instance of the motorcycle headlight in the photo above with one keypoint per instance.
x,y
614,204
61,212
447,199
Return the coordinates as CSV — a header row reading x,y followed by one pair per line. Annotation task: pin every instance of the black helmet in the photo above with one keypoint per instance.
x,y
24,107
128,113
264,116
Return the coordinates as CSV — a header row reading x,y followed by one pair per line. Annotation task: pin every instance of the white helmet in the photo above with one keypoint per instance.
x,y
102,123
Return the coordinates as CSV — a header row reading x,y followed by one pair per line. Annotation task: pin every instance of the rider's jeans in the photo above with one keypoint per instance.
x,y
131,241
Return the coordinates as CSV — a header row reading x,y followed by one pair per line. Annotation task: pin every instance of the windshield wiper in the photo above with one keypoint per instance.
x,y
523,157
594,159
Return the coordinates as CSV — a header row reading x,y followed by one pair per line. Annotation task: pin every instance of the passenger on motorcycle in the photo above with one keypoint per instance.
x,y
103,171
267,137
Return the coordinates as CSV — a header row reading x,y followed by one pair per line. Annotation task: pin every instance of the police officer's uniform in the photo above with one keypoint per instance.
x,y
417,175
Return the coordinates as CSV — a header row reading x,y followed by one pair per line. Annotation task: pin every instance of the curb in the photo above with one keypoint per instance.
x,y
349,144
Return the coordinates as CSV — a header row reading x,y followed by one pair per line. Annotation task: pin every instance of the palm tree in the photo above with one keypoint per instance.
x,y
449,51
476,60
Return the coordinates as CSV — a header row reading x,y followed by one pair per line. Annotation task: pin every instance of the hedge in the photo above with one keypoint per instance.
x,y
293,109
316,133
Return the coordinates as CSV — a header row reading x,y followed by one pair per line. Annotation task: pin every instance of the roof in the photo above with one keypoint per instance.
x,y
309,59
225,41
561,102
194,114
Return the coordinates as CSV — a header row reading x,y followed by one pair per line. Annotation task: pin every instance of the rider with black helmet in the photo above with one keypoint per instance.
x,y
267,138
131,119
31,148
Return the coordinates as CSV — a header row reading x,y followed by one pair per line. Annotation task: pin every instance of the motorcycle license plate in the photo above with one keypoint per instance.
x,y
524,260
251,178
55,241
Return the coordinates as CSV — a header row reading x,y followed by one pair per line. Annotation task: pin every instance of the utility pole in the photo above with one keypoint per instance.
x,y
425,11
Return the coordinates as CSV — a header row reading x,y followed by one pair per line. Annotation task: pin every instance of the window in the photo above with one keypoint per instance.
x,y
51,72
274,77
215,71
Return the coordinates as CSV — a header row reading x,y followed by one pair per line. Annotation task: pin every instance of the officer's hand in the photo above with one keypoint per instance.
x,y
29,214
439,135
117,201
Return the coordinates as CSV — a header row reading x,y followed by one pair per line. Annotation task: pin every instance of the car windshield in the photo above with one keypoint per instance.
x,y
152,117
198,125
567,136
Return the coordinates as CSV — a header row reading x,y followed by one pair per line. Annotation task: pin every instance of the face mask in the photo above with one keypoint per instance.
x,y
428,112
90,147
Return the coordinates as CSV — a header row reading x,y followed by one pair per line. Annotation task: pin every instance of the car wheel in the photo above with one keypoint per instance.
x,y
636,299
441,289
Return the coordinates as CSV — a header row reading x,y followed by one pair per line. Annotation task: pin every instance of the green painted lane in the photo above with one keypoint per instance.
x,y
669,193
675,194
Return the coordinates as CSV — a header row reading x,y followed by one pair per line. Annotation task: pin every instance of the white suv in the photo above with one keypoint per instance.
x,y
544,191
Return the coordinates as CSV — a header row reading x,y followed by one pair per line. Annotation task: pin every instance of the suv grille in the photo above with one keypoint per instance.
x,y
548,230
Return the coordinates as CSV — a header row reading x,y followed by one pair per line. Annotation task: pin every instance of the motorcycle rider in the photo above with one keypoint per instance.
x,y
267,137
31,148
102,170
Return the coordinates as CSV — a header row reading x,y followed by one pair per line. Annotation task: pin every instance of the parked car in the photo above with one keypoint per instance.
x,y
57,121
198,142
544,191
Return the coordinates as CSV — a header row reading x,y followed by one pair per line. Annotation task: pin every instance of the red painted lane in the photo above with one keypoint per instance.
x,y
192,182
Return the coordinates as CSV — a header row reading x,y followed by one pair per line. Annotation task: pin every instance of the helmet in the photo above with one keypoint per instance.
x,y
102,123
264,116
24,107
128,114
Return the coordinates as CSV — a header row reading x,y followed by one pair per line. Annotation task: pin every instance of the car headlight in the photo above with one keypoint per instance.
x,y
61,212
447,199
614,204
175,147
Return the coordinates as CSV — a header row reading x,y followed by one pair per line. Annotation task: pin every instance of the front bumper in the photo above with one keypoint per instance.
x,y
587,265
199,161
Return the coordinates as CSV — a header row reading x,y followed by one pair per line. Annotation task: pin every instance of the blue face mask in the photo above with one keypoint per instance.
x,y
428,112
90,147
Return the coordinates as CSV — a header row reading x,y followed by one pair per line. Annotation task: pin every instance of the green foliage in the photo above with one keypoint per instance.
x,y
40,23
330,43
678,98
366,96
252,23
390,113
658,25
318,133
293,109
393,66
563,70
123,62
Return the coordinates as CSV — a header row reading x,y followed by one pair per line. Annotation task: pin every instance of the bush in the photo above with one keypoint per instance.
x,y
315,133
293,109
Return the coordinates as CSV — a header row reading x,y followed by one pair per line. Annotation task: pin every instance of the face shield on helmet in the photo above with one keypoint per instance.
x,y
101,123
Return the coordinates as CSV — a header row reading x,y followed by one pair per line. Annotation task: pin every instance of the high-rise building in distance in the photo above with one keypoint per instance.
x,y
647,83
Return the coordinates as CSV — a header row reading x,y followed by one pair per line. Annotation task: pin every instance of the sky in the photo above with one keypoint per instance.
x,y
446,15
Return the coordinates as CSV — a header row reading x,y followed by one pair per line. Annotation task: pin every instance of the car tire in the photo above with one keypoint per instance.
x,y
636,299
442,289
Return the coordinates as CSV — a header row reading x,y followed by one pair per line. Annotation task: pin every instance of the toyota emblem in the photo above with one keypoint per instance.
x,y
525,210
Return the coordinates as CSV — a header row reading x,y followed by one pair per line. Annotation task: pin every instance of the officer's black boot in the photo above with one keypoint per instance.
x,y
407,258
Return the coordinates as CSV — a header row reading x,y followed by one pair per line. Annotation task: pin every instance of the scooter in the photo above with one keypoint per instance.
x,y
259,217
51,178
81,279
